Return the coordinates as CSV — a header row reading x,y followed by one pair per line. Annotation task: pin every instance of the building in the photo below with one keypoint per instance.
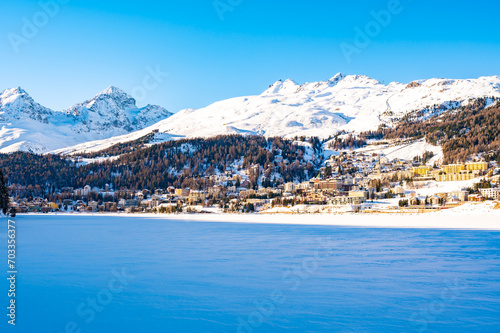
x,y
93,206
110,206
247,193
399,191
196,196
435,200
452,177
453,201
476,197
290,187
315,197
305,186
461,195
329,185
421,171
182,192
456,172
359,194
68,202
86,190
490,193
347,200
476,166
132,203
453,168
53,206
216,191
348,180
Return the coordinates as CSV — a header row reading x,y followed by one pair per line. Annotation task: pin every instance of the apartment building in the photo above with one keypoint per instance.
x,y
490,193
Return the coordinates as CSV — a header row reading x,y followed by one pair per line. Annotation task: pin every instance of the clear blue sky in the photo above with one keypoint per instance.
x,y
91,44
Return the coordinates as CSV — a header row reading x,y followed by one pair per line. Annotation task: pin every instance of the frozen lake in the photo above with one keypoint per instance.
x,y
138,274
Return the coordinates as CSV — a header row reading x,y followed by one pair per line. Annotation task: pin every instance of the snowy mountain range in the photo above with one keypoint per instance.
x,y
351,103
29,126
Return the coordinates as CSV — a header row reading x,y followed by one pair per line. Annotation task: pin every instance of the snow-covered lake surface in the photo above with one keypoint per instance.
x,y
140,274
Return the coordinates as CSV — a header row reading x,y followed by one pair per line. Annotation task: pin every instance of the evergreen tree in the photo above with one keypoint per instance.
x,y
4,194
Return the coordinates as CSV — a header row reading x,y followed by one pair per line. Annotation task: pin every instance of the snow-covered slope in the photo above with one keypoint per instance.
x,y
28,126
350,103
406,151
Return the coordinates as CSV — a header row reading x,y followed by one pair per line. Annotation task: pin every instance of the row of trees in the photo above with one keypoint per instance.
x,y
350,142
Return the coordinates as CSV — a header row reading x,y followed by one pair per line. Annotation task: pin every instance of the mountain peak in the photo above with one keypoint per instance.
x,y
361,79
338,77
17,104
19,90
112,90
16,96
282,87
290,86
14,91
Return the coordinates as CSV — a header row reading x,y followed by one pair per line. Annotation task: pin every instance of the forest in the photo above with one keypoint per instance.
x,y
462,132
180,163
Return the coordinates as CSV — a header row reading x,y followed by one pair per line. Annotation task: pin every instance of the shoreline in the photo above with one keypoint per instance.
x,y
439,220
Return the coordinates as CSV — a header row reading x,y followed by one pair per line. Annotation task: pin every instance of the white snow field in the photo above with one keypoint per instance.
x,y
405,151
469,216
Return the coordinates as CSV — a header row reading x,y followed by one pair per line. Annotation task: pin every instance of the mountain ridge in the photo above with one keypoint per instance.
x,y
350,103
27,125
343,103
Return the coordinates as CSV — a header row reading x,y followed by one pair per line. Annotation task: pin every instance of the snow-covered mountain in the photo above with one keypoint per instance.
x,y
351,103
17,104
28,126
345,102
114,108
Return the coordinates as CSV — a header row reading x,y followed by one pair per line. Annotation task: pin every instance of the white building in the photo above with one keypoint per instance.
x,y
490,193
86,190
290,187
308,185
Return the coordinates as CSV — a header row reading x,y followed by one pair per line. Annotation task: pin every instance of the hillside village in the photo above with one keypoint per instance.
x,y
348,181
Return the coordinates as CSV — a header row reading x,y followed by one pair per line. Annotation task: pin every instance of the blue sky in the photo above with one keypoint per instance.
x,y
81,47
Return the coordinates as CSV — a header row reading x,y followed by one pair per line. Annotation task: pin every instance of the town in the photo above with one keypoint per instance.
x,y
351,181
